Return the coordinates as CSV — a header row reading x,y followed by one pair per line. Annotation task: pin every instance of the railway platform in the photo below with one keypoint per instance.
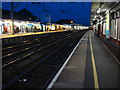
x,y
24,34
90,65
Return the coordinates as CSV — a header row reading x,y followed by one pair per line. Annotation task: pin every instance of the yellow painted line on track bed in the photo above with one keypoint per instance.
x,y
96,84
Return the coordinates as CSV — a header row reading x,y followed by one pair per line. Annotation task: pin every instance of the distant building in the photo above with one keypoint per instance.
x,y
23,14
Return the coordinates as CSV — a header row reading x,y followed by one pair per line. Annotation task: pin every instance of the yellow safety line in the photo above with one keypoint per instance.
x,y
23,34
96,84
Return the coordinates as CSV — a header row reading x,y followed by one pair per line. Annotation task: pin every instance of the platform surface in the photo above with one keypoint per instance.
x,y
82,72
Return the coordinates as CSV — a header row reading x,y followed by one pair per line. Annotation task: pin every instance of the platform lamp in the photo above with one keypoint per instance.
x,y
48,15
44,10
12,17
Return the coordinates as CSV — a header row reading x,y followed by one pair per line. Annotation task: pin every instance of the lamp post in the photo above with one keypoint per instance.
x,y
12,18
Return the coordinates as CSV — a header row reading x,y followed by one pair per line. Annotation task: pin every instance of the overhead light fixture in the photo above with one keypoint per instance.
x,y
98,11
93,19
95,16
101,17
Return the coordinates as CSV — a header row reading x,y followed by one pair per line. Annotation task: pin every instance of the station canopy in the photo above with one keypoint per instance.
x,y
99,8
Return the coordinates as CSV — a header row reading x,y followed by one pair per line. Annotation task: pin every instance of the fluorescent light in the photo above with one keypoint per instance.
x,y
93,19
98,11
95,16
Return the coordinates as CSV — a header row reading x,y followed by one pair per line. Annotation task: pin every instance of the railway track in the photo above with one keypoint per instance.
x,y
7,67
27,43
50,56
26,51
16,50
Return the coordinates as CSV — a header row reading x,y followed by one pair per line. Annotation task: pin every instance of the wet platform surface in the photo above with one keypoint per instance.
x,y
91,66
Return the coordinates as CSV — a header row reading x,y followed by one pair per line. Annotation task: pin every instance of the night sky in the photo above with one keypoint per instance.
x,y
78,11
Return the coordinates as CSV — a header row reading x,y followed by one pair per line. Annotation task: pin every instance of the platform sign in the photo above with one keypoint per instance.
x,y
107,33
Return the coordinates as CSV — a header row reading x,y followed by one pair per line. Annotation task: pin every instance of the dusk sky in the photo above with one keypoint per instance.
x,y
79,11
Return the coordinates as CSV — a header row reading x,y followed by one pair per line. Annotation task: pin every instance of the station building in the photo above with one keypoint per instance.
x,y
105,18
